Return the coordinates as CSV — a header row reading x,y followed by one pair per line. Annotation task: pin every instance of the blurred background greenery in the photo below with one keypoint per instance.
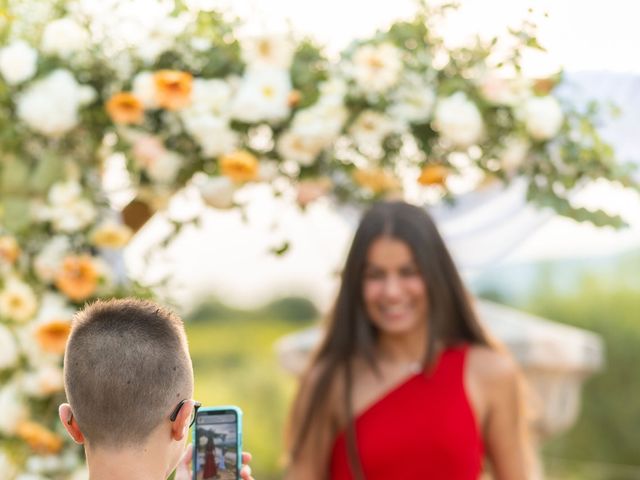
x,y
235,361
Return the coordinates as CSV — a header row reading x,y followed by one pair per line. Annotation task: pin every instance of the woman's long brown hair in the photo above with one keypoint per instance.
x,y
350,334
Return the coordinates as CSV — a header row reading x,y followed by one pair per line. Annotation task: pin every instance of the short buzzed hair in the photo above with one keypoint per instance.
x,y
126,367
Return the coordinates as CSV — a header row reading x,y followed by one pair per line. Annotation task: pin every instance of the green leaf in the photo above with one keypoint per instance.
x,y
49,170
15,176
281,250
15,214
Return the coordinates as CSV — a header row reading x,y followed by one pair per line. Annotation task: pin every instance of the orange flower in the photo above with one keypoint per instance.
x,y
78,278
39,438
375,179
433,175
9,249
173,88
52,336
125,107
240,166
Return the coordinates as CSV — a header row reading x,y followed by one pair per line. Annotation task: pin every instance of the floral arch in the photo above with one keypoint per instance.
x,y
187,103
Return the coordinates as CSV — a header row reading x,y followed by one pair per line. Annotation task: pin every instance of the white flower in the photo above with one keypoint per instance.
x,y
458,120
210,96
217,192
320,123
333,91
268,171
17,301
298,148
144,89
13,408
72,217
63,37
377,68
47,263
18,62
263,95
8,348
542,117
50,106
64,193
371,128
212,133
413,103
158,34
45,381
515,150
165,168
271,51
69,212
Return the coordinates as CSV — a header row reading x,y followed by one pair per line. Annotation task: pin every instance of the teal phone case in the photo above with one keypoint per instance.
x,y
221,408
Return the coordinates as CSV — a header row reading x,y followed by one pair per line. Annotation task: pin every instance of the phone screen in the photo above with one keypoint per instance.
x,y
216,442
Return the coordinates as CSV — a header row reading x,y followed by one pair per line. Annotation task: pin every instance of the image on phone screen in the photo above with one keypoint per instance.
x,y
216,439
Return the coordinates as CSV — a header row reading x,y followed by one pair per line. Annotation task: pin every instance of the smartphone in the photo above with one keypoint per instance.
x,y
217,443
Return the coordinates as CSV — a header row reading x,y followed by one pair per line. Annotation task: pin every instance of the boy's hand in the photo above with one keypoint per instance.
x,y
183,472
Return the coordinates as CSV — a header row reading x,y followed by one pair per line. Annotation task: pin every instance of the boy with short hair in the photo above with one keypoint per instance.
x,y
129,384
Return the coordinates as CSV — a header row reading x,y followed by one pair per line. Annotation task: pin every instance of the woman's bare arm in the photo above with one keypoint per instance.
x,y
505,427
312,457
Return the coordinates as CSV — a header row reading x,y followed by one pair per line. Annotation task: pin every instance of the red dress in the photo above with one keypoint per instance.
x,y
423,429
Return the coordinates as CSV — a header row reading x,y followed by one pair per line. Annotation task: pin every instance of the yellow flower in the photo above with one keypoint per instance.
x,y
39,438
9,249
433,175
111,235
240,166
17,301
78,277
125,107
173,88
375,179
52,336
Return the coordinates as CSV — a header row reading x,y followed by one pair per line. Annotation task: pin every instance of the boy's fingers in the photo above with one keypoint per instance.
x,y
245,473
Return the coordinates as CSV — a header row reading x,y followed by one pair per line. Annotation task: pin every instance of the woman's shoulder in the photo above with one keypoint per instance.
x,y
491,366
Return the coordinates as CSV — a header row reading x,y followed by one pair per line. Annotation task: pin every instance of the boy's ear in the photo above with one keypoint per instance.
x,y
70,424
180,426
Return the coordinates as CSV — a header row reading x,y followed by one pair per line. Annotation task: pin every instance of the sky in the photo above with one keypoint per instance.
x,y
229,258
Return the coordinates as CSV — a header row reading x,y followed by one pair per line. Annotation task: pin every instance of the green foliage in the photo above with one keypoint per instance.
x,y
290,309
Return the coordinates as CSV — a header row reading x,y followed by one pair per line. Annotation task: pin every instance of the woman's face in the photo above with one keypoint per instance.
x,y
394,293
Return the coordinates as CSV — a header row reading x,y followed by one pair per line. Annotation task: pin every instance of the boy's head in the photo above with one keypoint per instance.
x,y
126,368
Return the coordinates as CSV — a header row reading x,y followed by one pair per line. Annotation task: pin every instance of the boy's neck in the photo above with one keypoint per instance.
x,y
126,464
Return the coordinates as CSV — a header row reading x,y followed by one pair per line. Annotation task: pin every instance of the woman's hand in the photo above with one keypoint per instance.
x,y
183,471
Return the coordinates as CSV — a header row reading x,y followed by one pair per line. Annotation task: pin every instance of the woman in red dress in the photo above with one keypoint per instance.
x,y
406,383
210,470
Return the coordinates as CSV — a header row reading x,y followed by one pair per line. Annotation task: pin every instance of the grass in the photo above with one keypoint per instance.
x,y
235,364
